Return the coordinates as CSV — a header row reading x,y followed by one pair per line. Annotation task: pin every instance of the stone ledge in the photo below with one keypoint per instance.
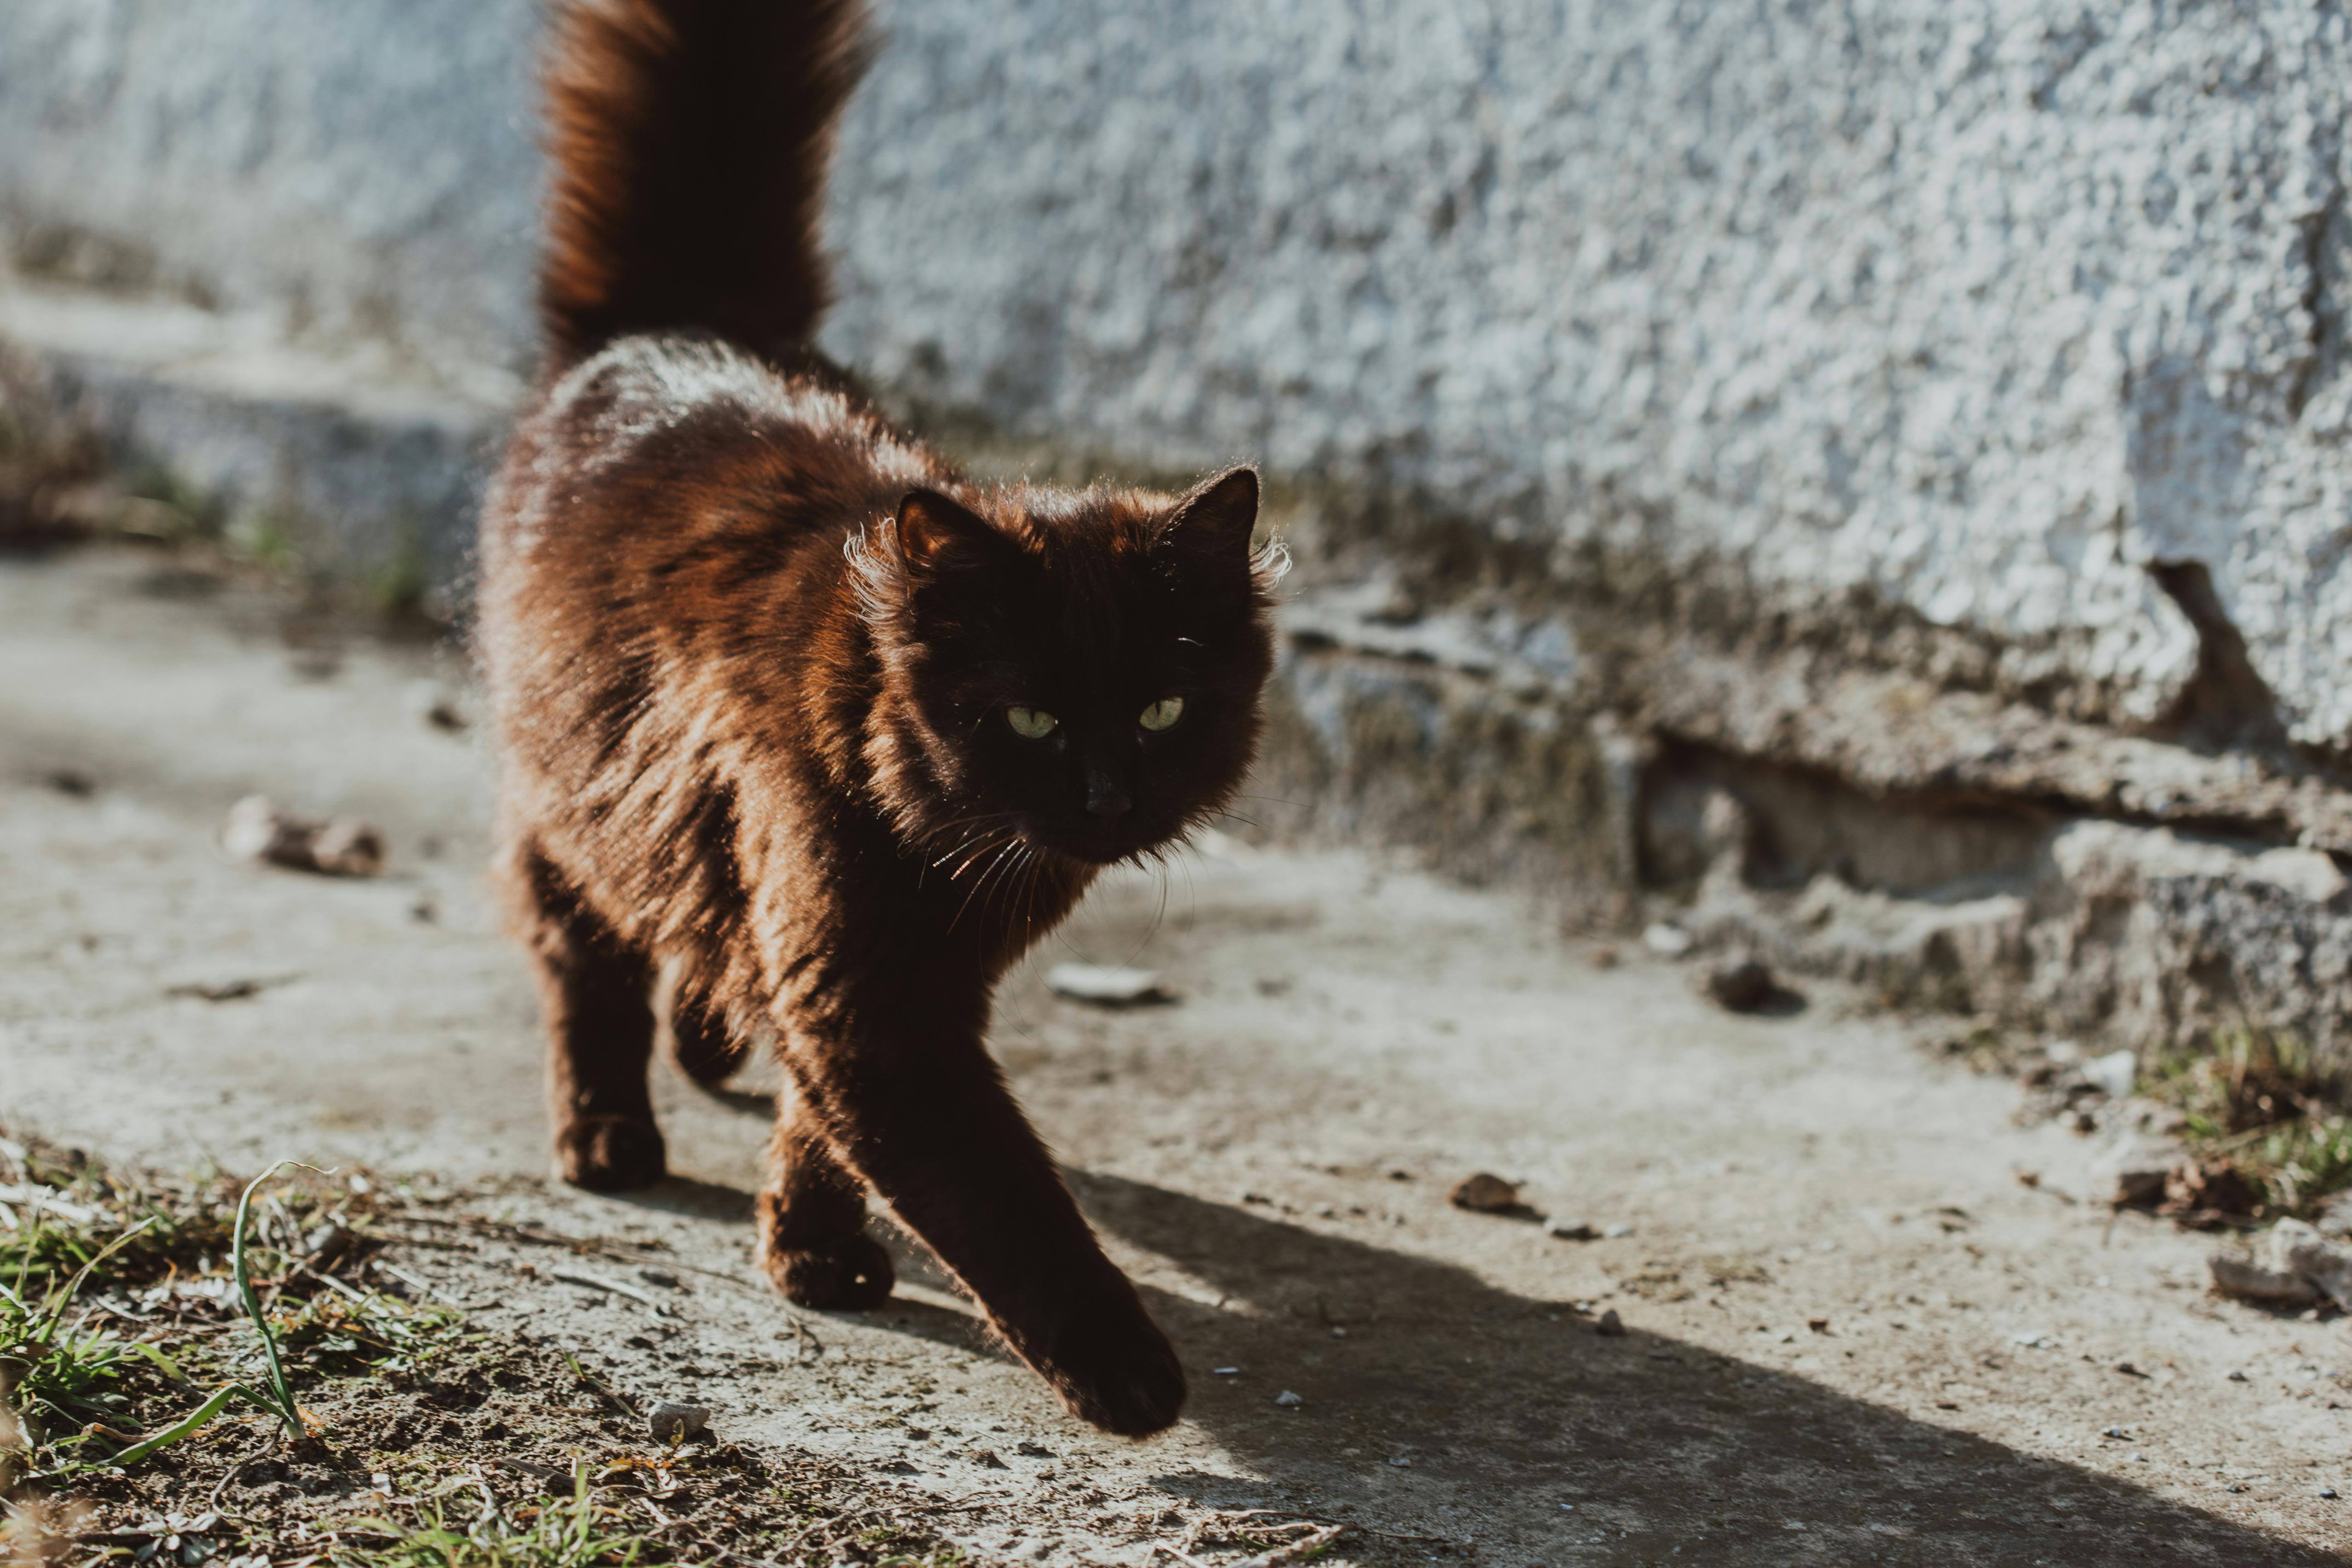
x,y
349,464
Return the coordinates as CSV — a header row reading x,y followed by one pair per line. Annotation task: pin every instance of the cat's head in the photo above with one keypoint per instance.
x,y
1082,669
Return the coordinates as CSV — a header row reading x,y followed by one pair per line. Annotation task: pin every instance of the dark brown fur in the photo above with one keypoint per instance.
x,y
755,657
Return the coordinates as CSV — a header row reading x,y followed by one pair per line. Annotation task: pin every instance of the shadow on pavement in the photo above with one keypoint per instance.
x,y
1508,1407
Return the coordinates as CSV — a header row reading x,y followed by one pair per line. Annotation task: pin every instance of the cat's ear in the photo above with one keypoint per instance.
x,y
1210,526
939,538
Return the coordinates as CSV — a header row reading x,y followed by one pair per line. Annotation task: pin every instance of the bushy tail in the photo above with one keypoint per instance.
x,y
689,140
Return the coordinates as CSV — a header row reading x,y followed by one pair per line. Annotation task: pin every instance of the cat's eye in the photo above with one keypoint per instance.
x,y
1163,713
1031,724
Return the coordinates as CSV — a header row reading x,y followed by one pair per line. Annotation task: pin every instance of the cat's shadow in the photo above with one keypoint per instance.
x,y
1421,1385
1409,1370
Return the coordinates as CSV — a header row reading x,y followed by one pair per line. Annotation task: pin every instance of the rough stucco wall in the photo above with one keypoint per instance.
x,y
1984,306
355,171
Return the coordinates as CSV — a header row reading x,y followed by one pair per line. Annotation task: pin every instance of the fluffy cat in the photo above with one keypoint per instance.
x,y
799,727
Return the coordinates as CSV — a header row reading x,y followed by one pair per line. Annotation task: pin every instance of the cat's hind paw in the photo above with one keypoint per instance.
x,y
611,1154
846,1275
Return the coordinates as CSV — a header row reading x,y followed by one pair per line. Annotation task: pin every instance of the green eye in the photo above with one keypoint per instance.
x,y
1031,724
1163,713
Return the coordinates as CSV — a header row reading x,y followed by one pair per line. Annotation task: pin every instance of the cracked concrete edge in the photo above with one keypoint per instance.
x,y
1535,723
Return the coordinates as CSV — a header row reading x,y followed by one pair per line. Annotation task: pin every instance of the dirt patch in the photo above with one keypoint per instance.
x,y
425,1437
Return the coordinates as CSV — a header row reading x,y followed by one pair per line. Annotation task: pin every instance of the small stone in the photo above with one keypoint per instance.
x,y
1033,1450
1288,1400
987,1461
658,1277
1401,1461
1106,985
2294,1245
2237,1377
1610,1326
1618,1231
2142,1189
674,1422
2113,1073
1574,1230
1225,1372
325,1244
1741,983
1484,1193
2248,1281
1667,939
2327,1491
258,829
2111,1432
1819,1325
436,705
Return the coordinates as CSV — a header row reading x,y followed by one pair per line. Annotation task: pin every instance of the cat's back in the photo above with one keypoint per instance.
x,y
657,443
663,547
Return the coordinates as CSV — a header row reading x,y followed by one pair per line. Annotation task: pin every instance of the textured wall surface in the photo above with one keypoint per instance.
x,y
1985,307
353,170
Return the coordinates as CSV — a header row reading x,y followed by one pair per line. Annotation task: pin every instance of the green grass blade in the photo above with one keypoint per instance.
x,y
164,1364
54,1309
187,1426
244,1272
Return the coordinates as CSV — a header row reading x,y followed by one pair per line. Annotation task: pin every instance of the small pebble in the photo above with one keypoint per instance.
x,y
1403,1462
340,847
1610,1325
1617,1230
2327,1491
1667,939
1106,985
658,1277
2237,1377
672,1423
1225,1372
1288,1400
2112,1432
1741,983
1573,1230
1484,1193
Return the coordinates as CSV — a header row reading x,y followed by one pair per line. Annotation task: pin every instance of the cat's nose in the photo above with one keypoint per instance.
x,y
1106,797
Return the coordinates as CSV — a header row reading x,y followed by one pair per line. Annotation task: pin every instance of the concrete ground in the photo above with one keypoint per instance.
x,y
1853,1334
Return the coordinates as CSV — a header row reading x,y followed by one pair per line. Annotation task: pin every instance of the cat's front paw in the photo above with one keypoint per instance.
x,y
611,1154
846,1275
1115,1369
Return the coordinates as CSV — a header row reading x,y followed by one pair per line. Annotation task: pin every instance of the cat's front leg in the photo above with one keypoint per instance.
x,y
910,1101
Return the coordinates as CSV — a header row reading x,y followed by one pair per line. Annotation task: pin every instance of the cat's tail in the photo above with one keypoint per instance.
x,y
689,141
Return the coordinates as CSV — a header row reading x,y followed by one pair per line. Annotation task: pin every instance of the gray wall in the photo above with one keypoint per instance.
x,y
1984,307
